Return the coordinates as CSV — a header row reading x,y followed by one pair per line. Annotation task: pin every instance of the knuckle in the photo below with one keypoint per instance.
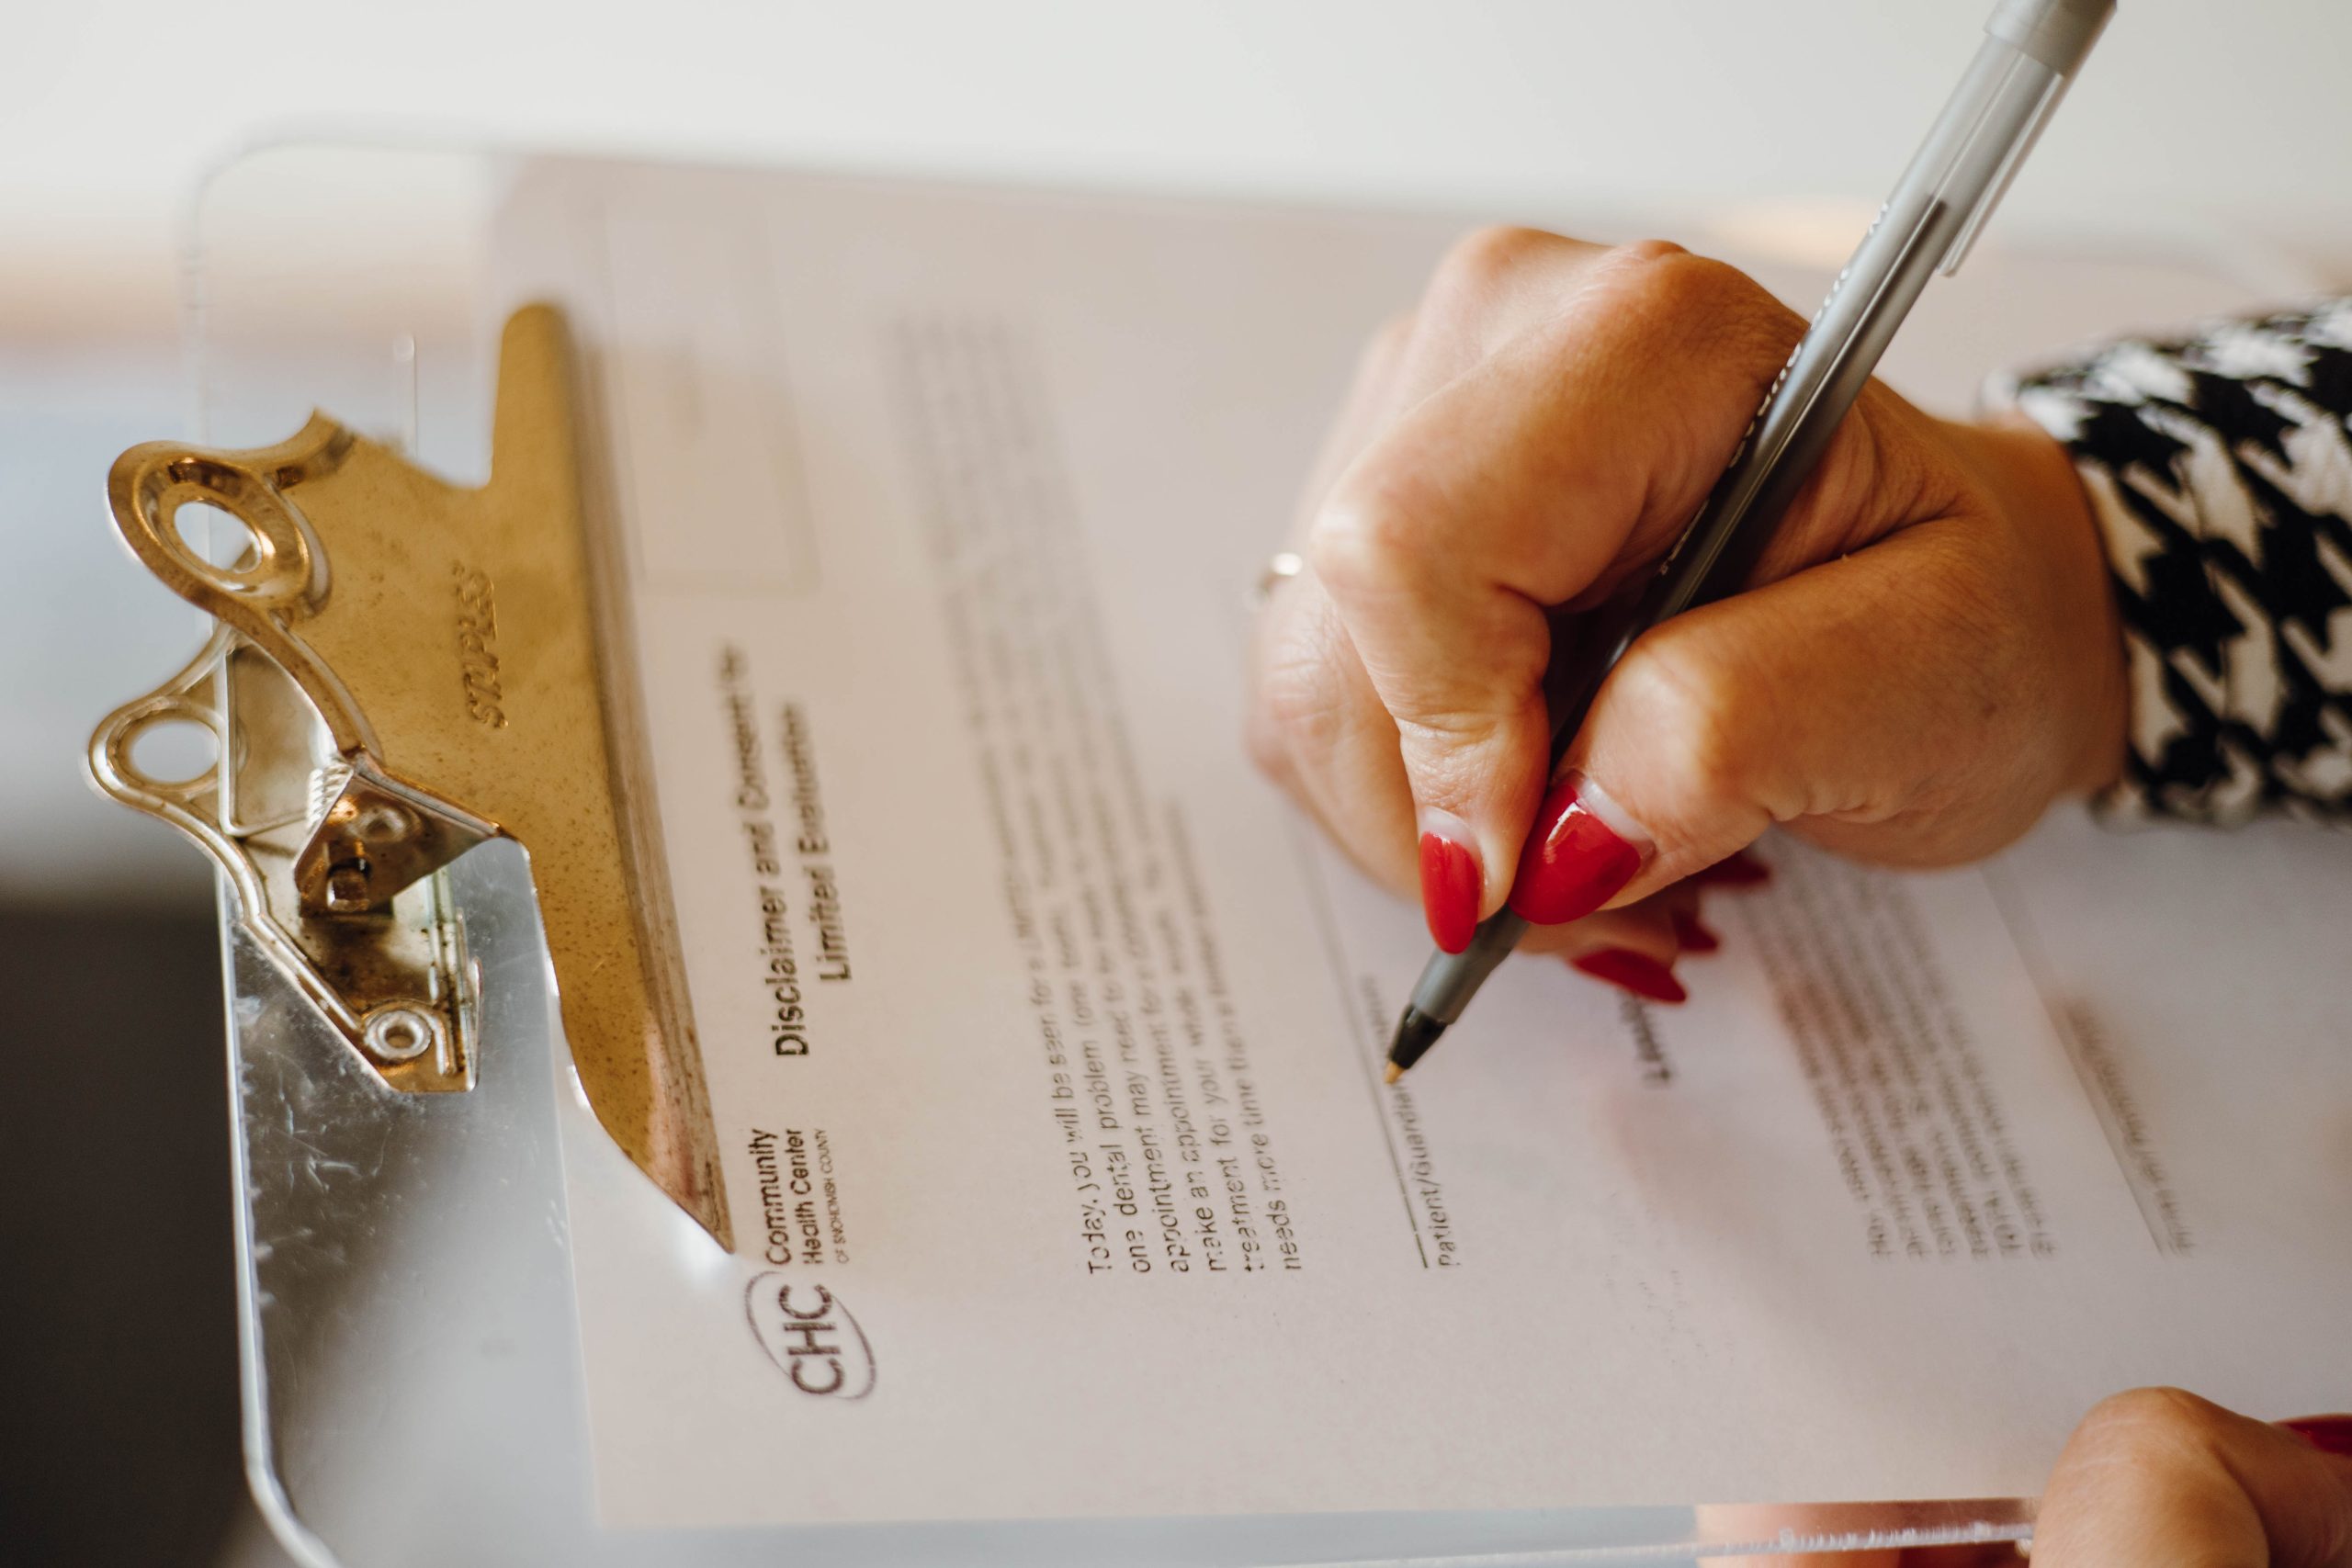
x,y
1675,293
1673,278
1485,260
1459,752
1648,253
1704,281
1363,539
2141,1418
1443,731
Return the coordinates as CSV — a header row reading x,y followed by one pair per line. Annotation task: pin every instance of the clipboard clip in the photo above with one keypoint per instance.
x,y
401,669
335,869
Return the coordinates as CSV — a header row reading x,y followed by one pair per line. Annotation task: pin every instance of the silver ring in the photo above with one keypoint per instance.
x,y
1285,565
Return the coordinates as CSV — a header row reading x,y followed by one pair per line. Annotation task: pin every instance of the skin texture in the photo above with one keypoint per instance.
x,y
2154,1478
1926,657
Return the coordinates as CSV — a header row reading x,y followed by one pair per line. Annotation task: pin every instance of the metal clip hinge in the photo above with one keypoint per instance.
x,y
341,889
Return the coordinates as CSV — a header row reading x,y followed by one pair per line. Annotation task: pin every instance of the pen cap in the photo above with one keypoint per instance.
x,y
2058,33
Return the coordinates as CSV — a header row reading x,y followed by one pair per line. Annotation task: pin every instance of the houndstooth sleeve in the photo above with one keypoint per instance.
x,y
2220,469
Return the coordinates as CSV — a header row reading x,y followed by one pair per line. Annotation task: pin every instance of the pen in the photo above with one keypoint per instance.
x,y
2033,49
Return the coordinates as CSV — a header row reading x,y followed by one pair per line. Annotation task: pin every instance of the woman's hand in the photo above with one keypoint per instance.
x,y
2161,1479
1926,656
2154,1478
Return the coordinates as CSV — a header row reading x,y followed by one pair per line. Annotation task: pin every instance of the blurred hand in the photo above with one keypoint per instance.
x,y
2161,1479
2154,1478
1928,654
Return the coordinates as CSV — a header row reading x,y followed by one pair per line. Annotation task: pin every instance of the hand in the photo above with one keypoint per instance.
x,y
2154,1478
1926,656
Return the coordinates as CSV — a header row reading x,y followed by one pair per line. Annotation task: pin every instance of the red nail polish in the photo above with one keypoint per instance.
x,y
1449,891
1693,934
1636,972
1573,864
2328,1434
1739,869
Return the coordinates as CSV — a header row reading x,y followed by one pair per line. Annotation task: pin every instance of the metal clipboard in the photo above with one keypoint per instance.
x,y
399,909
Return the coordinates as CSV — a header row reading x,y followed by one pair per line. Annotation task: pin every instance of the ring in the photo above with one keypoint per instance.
x,y
1279,570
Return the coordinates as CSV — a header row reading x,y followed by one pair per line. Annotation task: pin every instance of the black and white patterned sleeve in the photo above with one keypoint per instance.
x,y
2220,469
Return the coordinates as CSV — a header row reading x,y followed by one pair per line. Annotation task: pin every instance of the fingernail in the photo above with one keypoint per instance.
x,y
2329,1434
1574,861
1636,972
1450,886
1693,934
1739,869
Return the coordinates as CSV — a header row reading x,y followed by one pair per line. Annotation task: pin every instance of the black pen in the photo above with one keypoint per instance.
x,y
2033,49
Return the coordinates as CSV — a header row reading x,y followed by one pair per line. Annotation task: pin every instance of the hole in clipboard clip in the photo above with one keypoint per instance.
x,y
224,525
172,750
217,536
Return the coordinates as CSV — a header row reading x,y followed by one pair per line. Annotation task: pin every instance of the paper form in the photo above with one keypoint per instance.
x,y
1044,1039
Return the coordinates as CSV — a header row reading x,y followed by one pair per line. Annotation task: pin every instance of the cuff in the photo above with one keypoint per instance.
x,y
2219,472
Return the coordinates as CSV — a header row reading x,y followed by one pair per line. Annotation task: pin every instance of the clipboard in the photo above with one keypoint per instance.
x,y
444,920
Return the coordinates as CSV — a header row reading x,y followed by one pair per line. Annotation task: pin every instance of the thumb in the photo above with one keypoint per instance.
x,y
2157,1477
1879,701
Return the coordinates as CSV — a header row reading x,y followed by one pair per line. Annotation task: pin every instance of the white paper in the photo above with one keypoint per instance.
x,y
1043,1038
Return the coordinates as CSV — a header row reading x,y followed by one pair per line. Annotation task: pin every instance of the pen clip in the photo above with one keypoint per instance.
x,y
1998,186
2041,45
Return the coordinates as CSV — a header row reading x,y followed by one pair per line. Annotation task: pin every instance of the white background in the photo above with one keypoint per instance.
x,y
2192,112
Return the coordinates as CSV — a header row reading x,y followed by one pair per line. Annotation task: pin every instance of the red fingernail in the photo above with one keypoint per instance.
x,y
2329,1434
1636,972
1693,934
1739,869
1449,891
1573,862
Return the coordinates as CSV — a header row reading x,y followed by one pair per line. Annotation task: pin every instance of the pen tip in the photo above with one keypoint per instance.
x,y
1416,1032
1392,1073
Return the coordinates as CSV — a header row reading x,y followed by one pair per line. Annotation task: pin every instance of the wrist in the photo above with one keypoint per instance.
x,y
2041,499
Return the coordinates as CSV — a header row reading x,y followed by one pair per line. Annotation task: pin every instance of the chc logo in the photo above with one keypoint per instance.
x,y
809,1337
